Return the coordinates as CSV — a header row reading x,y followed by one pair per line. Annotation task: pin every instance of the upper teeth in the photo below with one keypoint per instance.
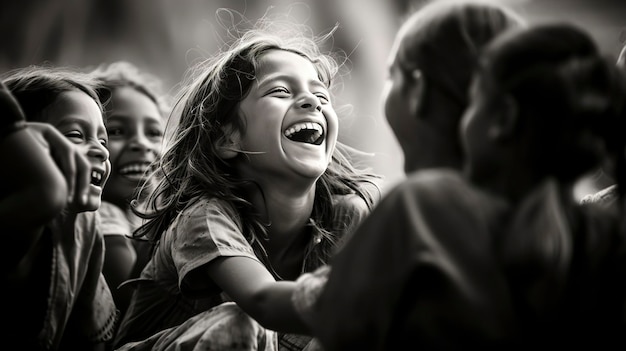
x,y
95,175
304,125
134,168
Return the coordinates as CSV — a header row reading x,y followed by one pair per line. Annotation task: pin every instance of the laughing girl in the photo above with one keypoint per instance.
x,y
254,190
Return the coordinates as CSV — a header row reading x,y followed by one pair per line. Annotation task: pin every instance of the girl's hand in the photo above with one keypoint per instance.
x,y
73,164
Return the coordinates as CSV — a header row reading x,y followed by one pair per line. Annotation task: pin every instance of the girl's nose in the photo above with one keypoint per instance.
x,y
310,102
141,143
98,151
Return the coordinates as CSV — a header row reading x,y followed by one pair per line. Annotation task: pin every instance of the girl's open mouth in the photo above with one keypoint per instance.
x,y
96,178
305,132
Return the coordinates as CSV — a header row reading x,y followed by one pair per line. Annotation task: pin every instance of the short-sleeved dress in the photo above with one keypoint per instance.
x,y
57,297
168,293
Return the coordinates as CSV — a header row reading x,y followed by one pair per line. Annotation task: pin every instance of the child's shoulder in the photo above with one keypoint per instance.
x,y
113,220
205,203
108,209
348,200
207,207
441,189
434,183
350,209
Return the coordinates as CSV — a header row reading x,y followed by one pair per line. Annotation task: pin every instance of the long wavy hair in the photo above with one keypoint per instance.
x,y
207,108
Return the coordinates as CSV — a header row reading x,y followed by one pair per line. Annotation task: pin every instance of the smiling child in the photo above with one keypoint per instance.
x,y
254,190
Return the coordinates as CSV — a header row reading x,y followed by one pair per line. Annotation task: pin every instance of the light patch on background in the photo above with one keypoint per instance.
x,y
166,37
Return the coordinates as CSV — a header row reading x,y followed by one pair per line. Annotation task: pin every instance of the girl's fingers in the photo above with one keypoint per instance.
x,y
83,179
74,166
62,153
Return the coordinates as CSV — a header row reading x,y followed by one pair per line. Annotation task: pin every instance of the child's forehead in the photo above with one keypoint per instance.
x,y
74,106
278,61
129,92
127,102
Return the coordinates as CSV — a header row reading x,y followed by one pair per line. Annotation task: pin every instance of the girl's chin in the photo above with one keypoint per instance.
x,y
134,178
92,204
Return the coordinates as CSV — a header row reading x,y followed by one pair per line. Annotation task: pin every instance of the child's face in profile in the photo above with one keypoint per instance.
x,y
400,101
479,127
396,96
291,128
135,131
77,116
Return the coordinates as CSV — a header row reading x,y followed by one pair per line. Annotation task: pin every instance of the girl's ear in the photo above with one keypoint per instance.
x,y
229,146
417,92
504,121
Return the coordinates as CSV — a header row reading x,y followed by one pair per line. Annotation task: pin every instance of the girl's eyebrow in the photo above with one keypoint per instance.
x,y
117,117
285,77
122,117
70,120
81,122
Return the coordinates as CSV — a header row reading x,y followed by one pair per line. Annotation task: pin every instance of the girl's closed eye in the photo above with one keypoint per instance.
x,y
279,91
324,99
75,136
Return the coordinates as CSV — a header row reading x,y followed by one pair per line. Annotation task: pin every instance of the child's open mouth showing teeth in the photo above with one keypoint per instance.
x,y
134,171
306,132
96,178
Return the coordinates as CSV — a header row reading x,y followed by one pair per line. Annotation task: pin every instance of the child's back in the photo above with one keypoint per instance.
x,y
501,257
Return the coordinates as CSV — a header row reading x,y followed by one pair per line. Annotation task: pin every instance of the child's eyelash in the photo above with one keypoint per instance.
x,y
279,90
323,97
74,134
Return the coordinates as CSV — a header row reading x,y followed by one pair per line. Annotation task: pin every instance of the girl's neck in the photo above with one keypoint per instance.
x,y
433,147
287,211
287,214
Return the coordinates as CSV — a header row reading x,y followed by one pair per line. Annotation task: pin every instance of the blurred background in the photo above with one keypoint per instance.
x,y
165,37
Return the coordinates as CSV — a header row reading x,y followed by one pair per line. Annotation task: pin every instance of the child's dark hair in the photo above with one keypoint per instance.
x,y
570,97
36,87
444,38
190,168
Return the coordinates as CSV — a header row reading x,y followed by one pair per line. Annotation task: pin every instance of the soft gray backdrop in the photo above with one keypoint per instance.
x,y
166,36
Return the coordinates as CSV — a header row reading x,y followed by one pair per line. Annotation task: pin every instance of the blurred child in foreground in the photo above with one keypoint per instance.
x,y
502,256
